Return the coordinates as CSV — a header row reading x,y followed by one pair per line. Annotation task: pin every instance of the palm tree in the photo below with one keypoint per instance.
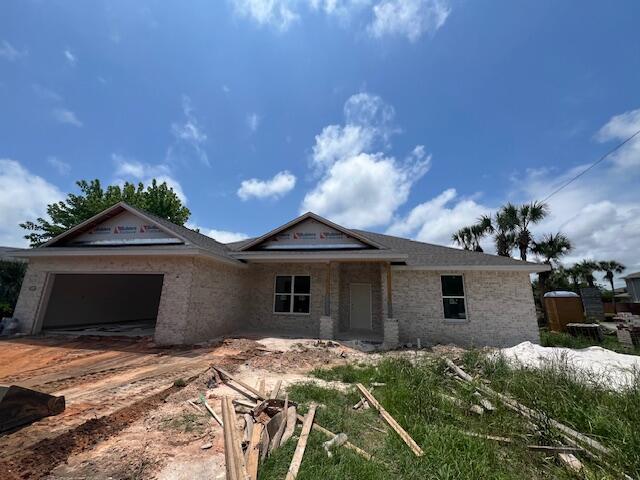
x,y
505,222
551,248
610,268
463,238
576,276
528,214
480,230
586,269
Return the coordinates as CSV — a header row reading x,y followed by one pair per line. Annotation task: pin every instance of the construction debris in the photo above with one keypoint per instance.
x,y
296,461
20,406
391,421
203,401
339,439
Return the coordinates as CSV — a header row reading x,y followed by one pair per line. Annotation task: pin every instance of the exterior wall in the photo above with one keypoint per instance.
x,y
633,287
260,295
500,309
176,288
219,300
361,273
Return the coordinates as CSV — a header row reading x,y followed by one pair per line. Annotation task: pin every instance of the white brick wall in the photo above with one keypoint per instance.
x,y
174,302
202,299
500,309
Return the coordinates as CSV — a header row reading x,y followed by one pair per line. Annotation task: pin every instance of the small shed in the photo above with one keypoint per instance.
x,y
563,308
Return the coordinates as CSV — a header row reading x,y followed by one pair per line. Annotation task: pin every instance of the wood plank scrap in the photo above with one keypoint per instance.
x,y
249,388
296,461
275,443
210,410
390,420
330,434
253,452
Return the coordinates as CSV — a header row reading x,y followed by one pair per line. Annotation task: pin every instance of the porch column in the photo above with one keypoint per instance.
x,y
391,330
326,322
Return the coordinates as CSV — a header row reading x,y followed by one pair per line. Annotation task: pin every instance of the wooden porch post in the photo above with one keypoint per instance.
x,y
389,292
327,291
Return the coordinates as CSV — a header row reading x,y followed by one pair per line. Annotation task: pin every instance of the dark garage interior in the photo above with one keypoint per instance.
x,y
104,303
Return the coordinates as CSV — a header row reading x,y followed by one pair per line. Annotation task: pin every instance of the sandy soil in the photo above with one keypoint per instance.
x,y
124,417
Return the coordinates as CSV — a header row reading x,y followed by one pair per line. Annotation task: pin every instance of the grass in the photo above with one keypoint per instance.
x,y
187,422
412,394
556,339
586,404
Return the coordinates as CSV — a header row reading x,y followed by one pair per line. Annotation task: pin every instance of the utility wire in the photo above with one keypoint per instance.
x,y
613,150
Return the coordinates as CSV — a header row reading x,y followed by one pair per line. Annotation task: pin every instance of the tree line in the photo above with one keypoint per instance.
x,y
510,230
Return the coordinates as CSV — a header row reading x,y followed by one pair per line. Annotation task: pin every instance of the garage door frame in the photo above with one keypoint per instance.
x,y
50,280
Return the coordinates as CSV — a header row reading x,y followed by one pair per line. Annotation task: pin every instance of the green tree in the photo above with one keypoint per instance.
x,y
551,248
11,276
159,199
504,229
469,237
610,268
586,268
527,215
575,274
463,238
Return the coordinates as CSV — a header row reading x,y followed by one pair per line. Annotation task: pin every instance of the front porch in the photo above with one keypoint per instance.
x,y
331,300
358,303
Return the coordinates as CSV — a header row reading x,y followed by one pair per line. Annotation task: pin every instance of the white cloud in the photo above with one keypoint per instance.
x,y
435,220
337,141
253,121
23,196
226,89
67,117
364,190
70,57
619,128
279,14
131,170
276,187
189,137
359,186
600,212
9,52
63,168
408,18
222,236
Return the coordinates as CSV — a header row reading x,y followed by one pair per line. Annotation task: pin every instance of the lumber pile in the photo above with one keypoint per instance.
x,y
261,423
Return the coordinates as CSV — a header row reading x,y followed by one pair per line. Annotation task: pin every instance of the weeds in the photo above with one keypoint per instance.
x,y
187,423
557,339
412,394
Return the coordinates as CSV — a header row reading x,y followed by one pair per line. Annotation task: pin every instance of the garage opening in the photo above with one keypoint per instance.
x,y
103,304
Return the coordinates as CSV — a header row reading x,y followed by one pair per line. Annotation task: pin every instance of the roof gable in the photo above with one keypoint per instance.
x,y
119,225
311,232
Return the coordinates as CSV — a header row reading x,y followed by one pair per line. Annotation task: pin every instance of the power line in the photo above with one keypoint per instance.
x,y
613,150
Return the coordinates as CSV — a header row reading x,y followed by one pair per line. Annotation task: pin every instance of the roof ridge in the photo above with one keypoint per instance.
x,y
466,252
173,224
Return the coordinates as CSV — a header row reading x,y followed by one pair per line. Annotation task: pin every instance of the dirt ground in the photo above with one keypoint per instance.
x,y
124,417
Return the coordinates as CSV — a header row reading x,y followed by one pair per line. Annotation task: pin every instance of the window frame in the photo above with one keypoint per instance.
x,y
291,294
463,297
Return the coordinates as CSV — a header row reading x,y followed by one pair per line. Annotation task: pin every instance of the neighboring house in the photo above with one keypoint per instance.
x,y
633,286
11,257
308,277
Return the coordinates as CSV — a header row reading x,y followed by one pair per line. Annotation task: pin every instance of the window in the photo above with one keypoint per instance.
x,y
293,294
453,297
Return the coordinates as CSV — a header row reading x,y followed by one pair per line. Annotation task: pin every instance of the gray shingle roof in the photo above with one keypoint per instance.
x,y
423,254
428,255
195,238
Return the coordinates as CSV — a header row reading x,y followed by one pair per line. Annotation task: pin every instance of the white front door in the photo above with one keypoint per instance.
x,y
360,306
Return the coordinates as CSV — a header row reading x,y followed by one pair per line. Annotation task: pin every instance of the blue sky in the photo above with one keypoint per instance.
x,y
411,117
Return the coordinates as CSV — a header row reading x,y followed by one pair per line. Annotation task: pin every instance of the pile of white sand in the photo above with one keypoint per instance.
x,y
614,370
